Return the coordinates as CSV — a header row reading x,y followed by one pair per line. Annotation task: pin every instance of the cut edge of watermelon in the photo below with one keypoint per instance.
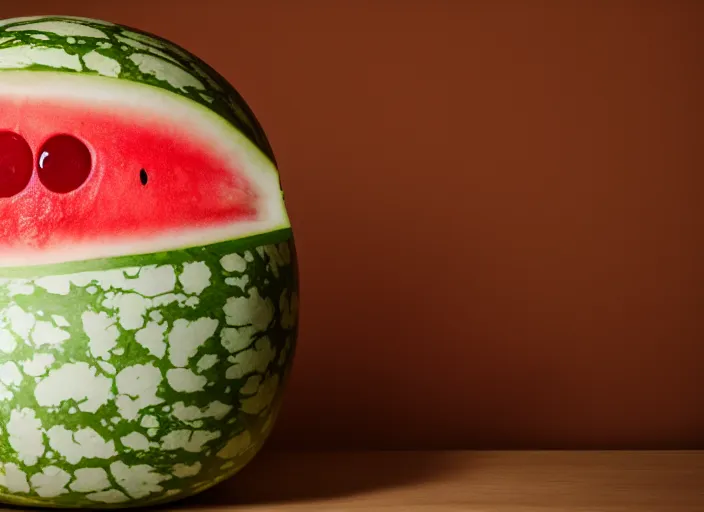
x,y
272,223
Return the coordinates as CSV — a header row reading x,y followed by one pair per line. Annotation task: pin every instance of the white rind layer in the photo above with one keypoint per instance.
x,y
222,138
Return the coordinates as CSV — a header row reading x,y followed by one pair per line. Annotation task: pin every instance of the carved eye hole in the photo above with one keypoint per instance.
x,y
16,164
64,164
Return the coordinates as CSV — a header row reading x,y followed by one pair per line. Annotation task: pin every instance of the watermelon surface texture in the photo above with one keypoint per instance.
x,y
148,275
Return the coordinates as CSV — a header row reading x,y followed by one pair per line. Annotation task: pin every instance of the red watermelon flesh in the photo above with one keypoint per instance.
x,y
147,175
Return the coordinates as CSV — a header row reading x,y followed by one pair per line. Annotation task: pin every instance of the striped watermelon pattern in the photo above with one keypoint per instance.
x,y
144,378
87,46
137,384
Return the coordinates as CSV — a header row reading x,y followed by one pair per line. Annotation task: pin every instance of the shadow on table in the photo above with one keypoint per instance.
x,y
287,477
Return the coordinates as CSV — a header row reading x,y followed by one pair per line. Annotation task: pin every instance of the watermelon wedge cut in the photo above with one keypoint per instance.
x,y
148,271
164,172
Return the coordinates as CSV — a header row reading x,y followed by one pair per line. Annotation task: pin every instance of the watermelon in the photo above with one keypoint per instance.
x,y
148,272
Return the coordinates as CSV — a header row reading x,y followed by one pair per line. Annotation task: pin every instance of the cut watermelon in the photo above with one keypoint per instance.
x,y
205,182
148,283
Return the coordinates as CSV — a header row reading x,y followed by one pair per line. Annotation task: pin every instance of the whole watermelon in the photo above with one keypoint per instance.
x,y
148,278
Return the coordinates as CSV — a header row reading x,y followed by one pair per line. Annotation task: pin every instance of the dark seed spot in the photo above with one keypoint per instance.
x,y
143,177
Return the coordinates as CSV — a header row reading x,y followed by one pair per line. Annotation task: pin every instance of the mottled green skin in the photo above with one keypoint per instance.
x,y
139,379
121,43
249,381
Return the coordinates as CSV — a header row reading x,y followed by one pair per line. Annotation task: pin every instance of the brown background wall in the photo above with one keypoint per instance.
x,y
498,210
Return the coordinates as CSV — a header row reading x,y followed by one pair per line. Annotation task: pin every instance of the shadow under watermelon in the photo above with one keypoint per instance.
x,y
306,477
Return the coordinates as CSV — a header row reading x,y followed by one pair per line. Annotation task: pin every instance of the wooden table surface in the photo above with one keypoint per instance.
x,y
462,481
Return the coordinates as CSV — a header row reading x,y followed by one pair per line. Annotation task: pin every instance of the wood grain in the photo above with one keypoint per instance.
x,y
531,481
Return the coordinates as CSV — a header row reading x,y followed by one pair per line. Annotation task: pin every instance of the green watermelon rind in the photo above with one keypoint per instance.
x,y
215,100
181,255
217,94
270,270
65,290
